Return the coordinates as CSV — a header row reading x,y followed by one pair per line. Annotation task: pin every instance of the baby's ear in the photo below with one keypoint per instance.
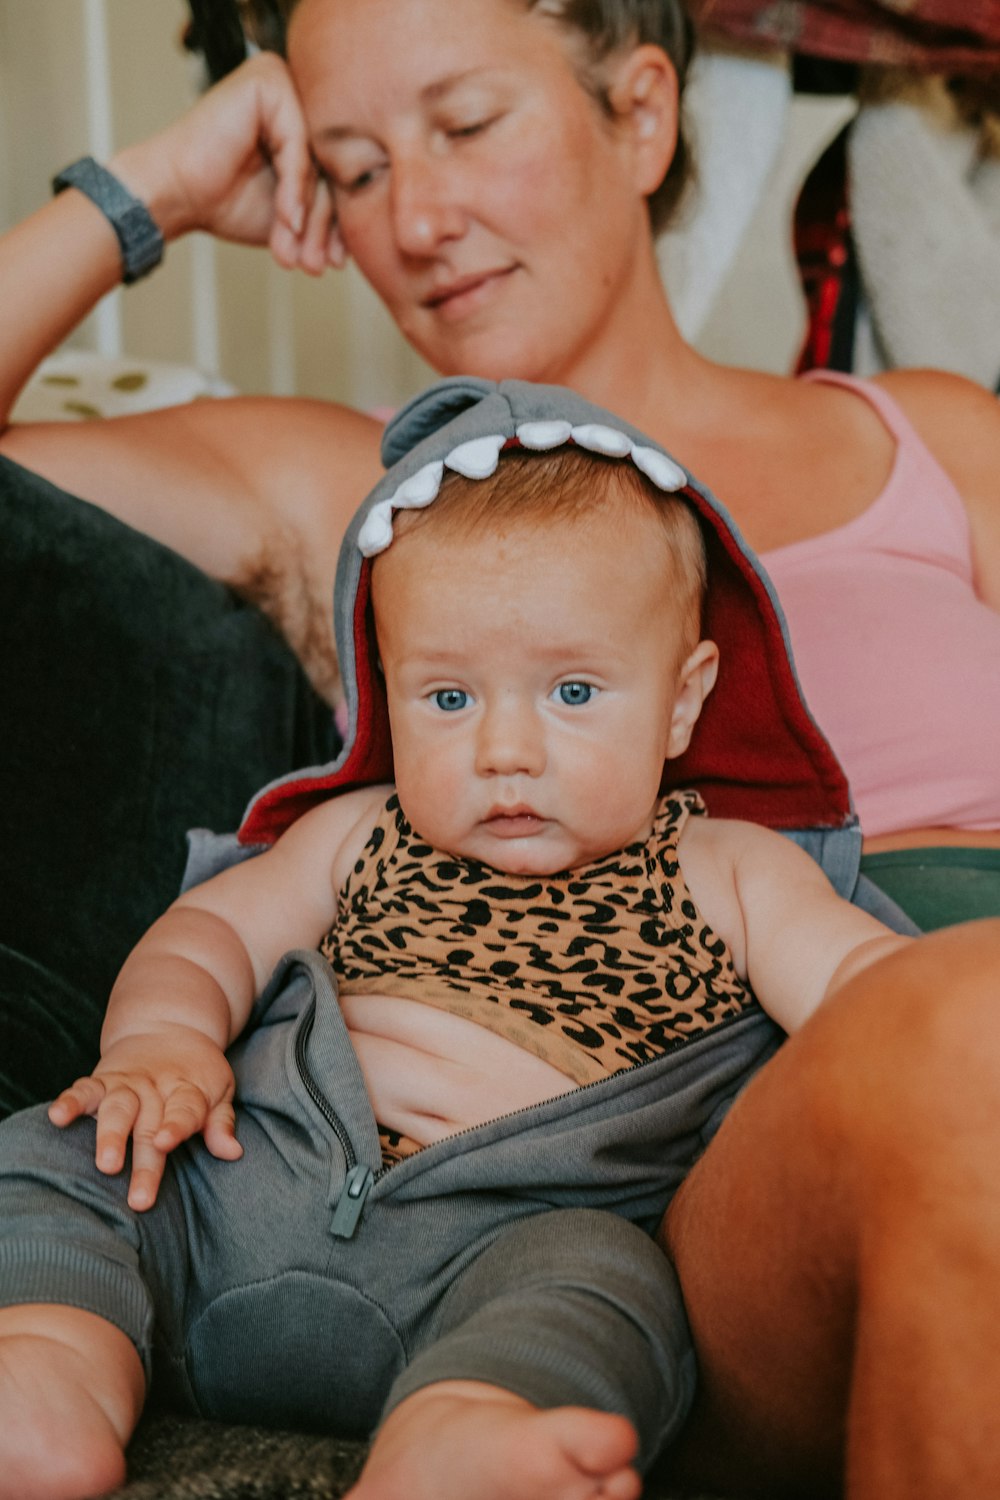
x,y
695,681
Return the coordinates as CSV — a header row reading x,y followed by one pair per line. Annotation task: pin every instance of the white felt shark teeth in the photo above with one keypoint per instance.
x,y
376,533
478,459
664,473
604,440
421,488
542,435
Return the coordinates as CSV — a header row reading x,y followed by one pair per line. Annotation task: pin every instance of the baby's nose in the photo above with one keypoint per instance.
x,y
511,741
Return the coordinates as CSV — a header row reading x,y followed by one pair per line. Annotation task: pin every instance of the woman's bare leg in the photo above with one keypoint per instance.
x,y
839,1244
71,1390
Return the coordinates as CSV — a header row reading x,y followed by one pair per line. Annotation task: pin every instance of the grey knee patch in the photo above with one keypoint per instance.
x,y
575,1307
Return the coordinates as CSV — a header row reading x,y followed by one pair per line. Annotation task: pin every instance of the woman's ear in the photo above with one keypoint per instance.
x,y
644,98
695,681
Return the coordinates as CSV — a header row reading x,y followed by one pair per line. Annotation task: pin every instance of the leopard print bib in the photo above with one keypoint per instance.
x,y
594,969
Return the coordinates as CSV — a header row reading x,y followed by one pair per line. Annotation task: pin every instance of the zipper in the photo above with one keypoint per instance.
x,y
353,1195
350,1205
313,1089
360,1179
576,1088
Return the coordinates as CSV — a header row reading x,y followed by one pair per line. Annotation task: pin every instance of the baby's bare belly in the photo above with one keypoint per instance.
x,y
430,1074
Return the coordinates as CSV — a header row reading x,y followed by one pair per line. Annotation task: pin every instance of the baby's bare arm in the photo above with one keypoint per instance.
x,y
186,991
791,935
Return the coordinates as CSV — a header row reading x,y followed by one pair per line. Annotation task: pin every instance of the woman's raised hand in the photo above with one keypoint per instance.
x,y
238,165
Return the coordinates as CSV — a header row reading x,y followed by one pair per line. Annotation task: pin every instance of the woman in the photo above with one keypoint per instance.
x,y
491,170
458,216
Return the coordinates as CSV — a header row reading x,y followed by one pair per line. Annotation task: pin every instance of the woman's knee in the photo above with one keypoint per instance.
x,y
905,1060
876,1095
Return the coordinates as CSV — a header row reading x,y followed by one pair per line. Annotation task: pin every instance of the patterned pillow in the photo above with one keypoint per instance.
x,y
77,386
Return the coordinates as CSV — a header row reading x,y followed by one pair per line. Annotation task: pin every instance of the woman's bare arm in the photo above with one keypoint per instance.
x,y
230,483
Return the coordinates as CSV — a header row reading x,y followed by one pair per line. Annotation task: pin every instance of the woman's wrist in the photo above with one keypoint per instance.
x,y
153,180
139,239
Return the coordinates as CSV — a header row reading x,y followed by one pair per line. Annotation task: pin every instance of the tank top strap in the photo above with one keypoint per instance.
x,y
919,490
672,813
889,410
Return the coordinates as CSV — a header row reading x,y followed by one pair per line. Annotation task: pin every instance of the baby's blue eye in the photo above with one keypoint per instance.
x,y
451,699
575,693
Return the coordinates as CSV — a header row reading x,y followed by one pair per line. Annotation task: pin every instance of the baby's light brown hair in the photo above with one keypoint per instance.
x,y
569,486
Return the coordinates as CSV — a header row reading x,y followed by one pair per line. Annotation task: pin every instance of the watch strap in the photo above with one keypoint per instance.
x,y
138,234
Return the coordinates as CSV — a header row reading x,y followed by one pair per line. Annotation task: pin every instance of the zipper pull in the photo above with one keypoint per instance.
x,y
351,1201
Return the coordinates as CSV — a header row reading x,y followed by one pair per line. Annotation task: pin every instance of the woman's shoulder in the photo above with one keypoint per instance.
x,y
957,419
960,423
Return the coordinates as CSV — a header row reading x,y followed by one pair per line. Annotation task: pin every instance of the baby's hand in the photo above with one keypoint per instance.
x,y
160,1089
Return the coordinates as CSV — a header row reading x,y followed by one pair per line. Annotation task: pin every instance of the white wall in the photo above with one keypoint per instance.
x,y
261,329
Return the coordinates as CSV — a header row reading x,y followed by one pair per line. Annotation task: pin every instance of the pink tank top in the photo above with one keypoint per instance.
x,y
898,658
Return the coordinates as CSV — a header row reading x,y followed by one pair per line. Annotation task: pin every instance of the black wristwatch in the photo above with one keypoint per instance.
x,y
138,233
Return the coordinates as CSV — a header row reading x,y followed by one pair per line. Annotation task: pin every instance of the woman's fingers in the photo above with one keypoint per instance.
x,y
313,253
284,138
336,250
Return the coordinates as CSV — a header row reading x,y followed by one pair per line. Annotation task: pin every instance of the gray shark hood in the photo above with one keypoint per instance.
x,y
756,752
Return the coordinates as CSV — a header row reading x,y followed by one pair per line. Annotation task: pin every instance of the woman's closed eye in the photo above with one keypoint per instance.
x,y
349,169
468,128
358,182
574,694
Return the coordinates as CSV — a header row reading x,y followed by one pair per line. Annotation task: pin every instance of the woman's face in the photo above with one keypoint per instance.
x,y
479,187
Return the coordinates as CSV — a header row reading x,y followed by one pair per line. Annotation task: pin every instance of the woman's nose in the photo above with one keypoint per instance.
x,y
424,209
510,742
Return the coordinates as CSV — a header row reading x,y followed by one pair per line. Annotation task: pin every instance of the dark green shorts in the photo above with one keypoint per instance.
x,y
939,886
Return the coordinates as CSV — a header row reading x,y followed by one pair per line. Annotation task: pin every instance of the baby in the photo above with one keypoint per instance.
x,y
516,982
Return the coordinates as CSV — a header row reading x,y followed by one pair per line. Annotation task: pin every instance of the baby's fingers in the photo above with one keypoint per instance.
x,y
179,1116
120,1114
81,1098
220,1132
148,1162
185,1113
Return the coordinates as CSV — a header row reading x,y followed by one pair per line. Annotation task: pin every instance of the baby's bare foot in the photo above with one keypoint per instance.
x,y
65,1417
461,1439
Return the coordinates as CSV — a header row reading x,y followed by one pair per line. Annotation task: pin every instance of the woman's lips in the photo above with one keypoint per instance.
x,y
463,296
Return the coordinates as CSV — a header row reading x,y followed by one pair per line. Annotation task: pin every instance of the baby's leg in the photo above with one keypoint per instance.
x,y
71,1390
75,1313
558,1360
461,1437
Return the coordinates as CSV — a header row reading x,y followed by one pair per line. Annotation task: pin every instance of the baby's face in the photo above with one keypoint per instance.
x,y
531,681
